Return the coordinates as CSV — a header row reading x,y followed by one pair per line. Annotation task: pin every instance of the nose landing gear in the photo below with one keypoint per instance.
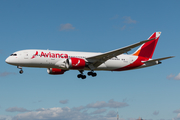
x,y
21,71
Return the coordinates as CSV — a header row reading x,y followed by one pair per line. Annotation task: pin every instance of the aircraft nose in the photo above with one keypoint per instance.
x,y
7,60
11,60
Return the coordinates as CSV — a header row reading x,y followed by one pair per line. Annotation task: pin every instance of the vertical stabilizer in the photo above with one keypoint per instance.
x,y
147,49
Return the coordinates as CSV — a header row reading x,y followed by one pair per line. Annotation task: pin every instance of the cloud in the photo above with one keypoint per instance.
x,y
40,114
66,113
114,104
176,111
128,20
171,76
125,22
134,118
177,77
111,113
79,108
58,113
98,104
3,74
40,109
63,101
178,117
124,27
111,104
99,111
66,27
155,112
16,109
5,117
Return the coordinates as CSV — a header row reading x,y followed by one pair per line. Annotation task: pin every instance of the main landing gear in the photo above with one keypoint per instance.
x,y
92,73
21,71
82,76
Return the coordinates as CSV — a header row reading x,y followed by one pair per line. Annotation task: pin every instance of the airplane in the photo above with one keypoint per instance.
x,y
58,62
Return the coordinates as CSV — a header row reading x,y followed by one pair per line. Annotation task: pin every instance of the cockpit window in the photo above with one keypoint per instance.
x,y
13,55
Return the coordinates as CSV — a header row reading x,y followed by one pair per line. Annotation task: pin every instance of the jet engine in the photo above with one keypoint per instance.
x,y
75,63
55,71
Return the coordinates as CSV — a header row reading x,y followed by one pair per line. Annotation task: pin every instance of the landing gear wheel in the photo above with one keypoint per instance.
x,y
94,74
81,76
21,71
90,73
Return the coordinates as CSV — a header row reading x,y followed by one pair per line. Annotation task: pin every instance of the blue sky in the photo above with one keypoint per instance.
x,y
91,26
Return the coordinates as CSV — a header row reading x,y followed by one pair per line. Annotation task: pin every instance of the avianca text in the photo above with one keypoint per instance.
x,y
50,55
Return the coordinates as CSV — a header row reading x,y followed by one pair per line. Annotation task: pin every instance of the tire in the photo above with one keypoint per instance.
x,y
89,73
94,74
79,75
21,71
83,77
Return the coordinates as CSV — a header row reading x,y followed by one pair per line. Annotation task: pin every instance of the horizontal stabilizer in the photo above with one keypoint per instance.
x,y
159,59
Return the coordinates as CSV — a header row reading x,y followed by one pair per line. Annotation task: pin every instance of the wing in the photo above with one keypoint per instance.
x,y
97,60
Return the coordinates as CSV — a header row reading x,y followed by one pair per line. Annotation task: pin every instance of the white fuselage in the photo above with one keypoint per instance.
x,y
56,59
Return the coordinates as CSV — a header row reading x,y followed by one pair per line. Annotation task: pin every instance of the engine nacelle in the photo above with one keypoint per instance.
x,y
55,71
75,63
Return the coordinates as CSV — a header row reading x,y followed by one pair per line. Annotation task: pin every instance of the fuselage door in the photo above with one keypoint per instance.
x,y
131,60
26,55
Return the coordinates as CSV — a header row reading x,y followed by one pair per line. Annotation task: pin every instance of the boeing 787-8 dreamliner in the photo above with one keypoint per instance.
x,y
58,62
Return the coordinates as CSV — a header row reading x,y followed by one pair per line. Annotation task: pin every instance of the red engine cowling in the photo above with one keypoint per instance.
x,y
55,71
75,63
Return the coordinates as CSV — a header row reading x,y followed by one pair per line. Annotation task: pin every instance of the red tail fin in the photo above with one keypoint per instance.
x,y
147,49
